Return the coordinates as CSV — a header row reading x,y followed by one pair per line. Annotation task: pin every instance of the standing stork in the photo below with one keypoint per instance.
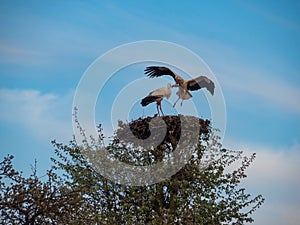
x,y
157,96
184,86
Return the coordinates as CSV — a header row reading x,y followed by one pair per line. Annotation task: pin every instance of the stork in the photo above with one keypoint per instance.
x,y
157,96
184,86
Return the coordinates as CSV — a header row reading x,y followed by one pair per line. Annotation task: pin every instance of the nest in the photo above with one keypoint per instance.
x,y
153,131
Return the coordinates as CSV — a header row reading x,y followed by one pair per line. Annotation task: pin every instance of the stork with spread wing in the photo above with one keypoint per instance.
x,y
184,86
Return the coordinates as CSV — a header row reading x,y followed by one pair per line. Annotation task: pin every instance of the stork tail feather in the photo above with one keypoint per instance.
x,y
149,99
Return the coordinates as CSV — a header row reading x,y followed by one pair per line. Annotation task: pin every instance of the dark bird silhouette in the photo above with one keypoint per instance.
x,y
184,86
157,96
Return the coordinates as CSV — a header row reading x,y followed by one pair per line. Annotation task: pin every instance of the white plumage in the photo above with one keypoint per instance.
x,y
157,96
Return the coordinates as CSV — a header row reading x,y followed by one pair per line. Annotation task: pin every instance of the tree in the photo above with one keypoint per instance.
x,y
32,200
206,190
202,192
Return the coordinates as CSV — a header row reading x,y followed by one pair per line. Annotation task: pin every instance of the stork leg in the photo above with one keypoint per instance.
x,y
161,110
157,109
181,103
176,101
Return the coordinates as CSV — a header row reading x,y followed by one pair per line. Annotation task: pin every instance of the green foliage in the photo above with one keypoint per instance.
x,y
206,190
33,200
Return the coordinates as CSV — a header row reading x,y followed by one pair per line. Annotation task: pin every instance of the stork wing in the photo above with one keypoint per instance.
x,y
149,99
157,71
201,82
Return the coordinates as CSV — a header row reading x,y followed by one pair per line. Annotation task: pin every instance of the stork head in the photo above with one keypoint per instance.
x,y
169,91
179,80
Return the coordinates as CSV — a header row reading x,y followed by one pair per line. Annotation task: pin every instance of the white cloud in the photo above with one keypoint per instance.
x,y
46,116
275,175
282,164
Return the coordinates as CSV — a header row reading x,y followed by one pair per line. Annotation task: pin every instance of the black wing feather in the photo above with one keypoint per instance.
x,y
157,71
201,82
149,99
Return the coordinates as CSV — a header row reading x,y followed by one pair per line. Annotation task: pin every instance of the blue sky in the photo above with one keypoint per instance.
x,y
253,48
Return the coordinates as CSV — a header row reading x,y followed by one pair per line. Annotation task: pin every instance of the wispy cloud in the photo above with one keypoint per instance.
x,y
46,116
275,18
13,50
16,55
263,86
